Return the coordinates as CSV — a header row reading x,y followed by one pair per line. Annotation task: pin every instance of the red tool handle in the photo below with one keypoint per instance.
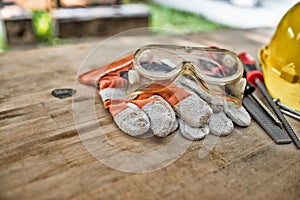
x,y
250,68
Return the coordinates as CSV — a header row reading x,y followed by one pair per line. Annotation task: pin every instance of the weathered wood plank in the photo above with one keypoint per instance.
x,y
42,156
100,21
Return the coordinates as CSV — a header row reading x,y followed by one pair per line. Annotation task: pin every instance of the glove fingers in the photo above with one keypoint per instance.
x,y
132,120
141,117
220,125
192,133
238,115
215,103
161,115
173,120
190,108
137,117
194,111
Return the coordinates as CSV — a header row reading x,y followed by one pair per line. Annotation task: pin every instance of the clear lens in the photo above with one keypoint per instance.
x,y
218,71
165,61
158,63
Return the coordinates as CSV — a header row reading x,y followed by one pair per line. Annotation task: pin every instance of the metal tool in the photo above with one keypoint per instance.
x,y
287,110
288,113
256,78
280,116
270,113
263,118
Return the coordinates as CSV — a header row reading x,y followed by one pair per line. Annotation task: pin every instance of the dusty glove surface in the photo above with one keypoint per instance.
x,y
198,112
225,114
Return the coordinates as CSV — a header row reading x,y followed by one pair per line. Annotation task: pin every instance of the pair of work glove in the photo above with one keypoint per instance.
x,y
183,105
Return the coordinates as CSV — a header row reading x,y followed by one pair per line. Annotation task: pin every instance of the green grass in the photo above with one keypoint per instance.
x,y
43,26
184,22
44,30
3,45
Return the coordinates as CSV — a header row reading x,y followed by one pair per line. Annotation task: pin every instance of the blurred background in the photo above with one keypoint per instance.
x,y
35,23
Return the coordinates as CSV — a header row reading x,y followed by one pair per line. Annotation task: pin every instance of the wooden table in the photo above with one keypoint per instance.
x,y
43,157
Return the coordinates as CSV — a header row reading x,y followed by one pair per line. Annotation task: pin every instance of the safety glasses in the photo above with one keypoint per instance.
x,y
218,71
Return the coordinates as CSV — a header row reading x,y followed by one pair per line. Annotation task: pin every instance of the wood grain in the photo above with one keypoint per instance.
x,y
43,157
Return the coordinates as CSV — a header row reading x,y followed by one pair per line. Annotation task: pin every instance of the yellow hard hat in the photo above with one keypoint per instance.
x,y
280,60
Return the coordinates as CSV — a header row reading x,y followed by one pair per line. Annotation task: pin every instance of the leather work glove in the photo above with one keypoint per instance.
x,y
225,114
182,104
